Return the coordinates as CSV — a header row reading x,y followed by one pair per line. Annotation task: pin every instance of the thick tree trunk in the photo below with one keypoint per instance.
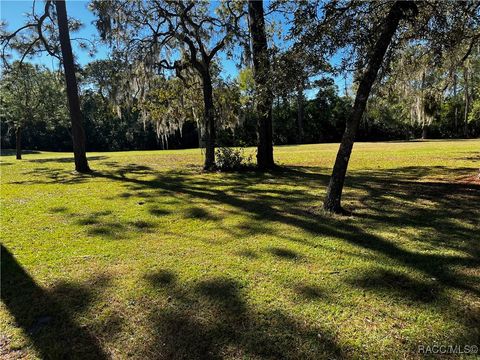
x,y
78,133
300,113
18,142
261,66
209,122
332,200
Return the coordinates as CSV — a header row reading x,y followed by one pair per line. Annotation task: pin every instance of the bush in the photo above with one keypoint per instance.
x,y
228,159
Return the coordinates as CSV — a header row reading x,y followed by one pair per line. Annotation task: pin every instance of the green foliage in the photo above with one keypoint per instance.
x,y
474,115
32,98
425,89
324,120
30,94
228,159
246,82
107,130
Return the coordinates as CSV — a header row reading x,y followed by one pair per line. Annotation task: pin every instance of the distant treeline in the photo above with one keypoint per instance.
x,y
324,121
113,124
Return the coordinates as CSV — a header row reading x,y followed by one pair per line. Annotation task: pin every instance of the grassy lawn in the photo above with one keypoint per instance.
x,y
149,258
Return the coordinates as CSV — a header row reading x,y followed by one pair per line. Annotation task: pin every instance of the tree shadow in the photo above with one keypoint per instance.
x,y
446,208
47,316
472,156
249,254
397,285
211,319
49,175
64,159
58,209
199,213
378,193
158,212
310,292
443,245
283,253
11,152
106,224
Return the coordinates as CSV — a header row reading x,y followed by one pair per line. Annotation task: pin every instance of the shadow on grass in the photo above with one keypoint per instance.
x,y
440,219
199,213
52,176
285,254
211,319
399,286
158,212
11,152
388,197
64,159
310,292
246,253
106,224
57,175
47,317
443,215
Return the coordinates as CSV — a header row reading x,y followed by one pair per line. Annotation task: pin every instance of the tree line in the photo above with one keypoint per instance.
x,y
414,70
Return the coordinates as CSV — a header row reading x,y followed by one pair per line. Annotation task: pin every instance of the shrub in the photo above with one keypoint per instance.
x,y
228,159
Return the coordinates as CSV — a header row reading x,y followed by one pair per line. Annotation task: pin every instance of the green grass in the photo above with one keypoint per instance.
x,y
150,258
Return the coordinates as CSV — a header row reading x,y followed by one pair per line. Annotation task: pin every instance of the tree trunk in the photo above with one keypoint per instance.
x,y
261,66
201,142
467,102
332,200
424,130
300,113
209,122
18,142
199,128
423,106
455,115
78,133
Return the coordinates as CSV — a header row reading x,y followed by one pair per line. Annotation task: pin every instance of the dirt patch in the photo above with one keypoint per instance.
x,y
7,353
470,179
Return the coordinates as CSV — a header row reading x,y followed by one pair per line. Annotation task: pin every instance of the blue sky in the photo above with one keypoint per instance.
x,y
13,12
